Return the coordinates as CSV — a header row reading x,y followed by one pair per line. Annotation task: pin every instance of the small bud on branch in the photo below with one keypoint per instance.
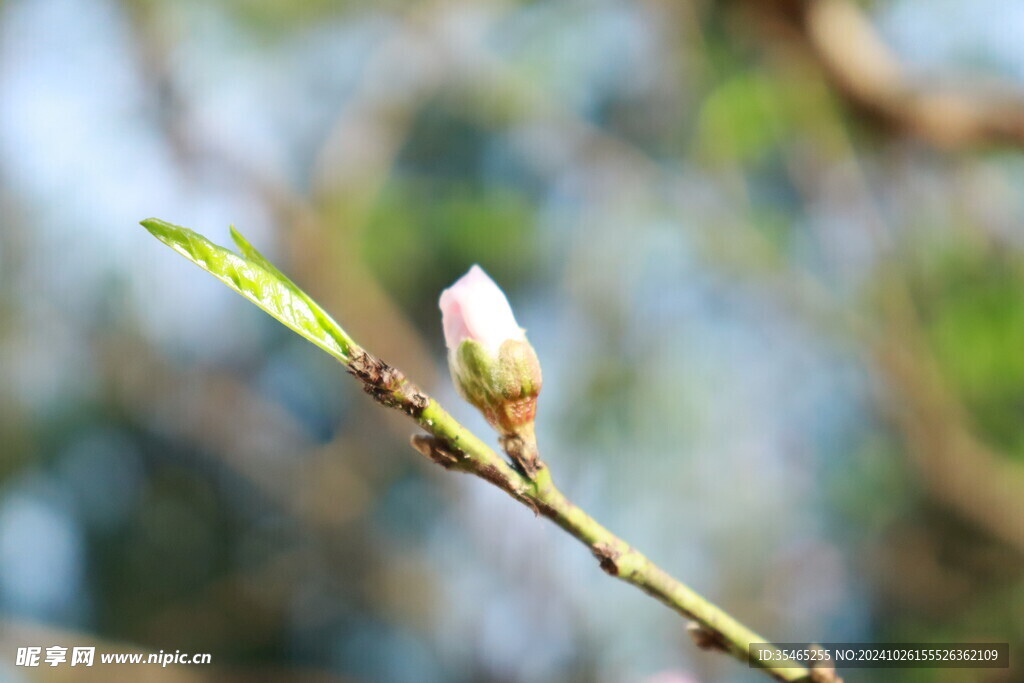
x,y
492,364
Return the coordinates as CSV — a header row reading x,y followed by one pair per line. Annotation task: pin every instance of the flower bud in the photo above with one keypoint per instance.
x,y
492,364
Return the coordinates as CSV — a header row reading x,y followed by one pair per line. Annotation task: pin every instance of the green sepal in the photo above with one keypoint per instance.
x,y
503,387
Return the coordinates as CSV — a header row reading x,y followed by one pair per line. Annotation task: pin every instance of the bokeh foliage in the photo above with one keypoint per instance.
x,y
763,313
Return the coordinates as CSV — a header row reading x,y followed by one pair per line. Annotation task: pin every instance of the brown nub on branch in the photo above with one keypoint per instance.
x,y
706,638
608,557
387,385
523,452
433,448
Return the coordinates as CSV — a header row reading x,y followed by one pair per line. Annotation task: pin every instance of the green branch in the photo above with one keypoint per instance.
x,y
455,448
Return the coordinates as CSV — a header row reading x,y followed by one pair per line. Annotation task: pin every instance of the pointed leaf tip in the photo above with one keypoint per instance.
x,y
259,281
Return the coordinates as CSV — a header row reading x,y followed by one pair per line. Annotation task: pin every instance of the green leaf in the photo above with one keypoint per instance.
x,y
259,281
250,252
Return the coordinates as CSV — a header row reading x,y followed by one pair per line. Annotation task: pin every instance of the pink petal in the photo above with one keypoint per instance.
x,y
474,307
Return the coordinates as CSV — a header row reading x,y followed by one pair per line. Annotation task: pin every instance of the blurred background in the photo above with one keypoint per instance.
x,y
771,255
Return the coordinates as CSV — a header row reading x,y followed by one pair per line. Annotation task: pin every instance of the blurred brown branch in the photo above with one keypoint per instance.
x,y
956,466
854,59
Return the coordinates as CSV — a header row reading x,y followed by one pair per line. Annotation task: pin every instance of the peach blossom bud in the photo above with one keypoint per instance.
x,y
492,364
